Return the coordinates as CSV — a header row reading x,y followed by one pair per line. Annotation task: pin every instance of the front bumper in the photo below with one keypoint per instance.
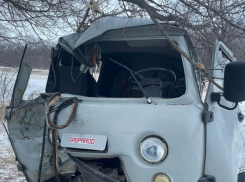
x,y
89,174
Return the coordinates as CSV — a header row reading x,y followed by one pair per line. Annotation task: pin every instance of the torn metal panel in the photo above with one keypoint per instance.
x,y
25,131
21,84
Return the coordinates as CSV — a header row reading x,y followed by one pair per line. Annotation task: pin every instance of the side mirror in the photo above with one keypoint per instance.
x,y
234,81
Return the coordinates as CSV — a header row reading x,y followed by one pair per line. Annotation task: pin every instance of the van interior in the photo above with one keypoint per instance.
x,y
154,64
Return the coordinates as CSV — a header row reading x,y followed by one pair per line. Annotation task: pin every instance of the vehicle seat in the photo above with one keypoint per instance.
x,y
121,87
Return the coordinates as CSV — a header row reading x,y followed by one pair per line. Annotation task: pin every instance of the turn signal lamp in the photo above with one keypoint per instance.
x,y
161,178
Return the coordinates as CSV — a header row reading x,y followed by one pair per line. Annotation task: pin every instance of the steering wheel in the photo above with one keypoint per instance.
x,y
152,81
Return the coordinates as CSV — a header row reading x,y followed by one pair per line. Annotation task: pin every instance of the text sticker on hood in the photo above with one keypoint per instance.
x,y
84,141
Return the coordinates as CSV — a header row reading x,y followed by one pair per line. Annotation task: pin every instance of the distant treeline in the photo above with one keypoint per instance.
x,y
37,55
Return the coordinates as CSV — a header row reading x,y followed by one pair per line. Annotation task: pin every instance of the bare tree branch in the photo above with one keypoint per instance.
x,y
151,14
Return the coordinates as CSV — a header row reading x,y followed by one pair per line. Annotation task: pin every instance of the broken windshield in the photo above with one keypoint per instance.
x,y
155,59
145,52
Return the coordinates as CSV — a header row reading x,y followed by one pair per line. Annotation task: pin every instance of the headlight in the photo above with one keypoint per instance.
x,y
153,150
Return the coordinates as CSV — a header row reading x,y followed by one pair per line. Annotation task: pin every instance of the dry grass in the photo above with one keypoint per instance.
x,y
2,113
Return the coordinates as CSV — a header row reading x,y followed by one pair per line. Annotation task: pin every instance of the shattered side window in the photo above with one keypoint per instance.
x,y
219,67
202,84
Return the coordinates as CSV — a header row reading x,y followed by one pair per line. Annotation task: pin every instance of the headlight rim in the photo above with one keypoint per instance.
x,y
164,144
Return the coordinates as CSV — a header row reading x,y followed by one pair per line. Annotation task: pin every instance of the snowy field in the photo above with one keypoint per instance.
x,y
8,170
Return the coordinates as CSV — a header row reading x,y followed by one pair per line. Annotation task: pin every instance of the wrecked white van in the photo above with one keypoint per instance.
x,y
122,105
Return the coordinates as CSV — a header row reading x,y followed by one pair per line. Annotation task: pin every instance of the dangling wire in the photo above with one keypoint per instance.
x,y
49,109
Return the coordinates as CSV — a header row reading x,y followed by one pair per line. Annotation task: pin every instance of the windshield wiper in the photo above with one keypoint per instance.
x,y
149,101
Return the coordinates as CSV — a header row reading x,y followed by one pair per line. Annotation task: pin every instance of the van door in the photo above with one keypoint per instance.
x,y
223,134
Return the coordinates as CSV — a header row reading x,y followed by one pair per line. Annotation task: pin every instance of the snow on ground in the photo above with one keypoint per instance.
x,y
36,83
8,169
242,107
